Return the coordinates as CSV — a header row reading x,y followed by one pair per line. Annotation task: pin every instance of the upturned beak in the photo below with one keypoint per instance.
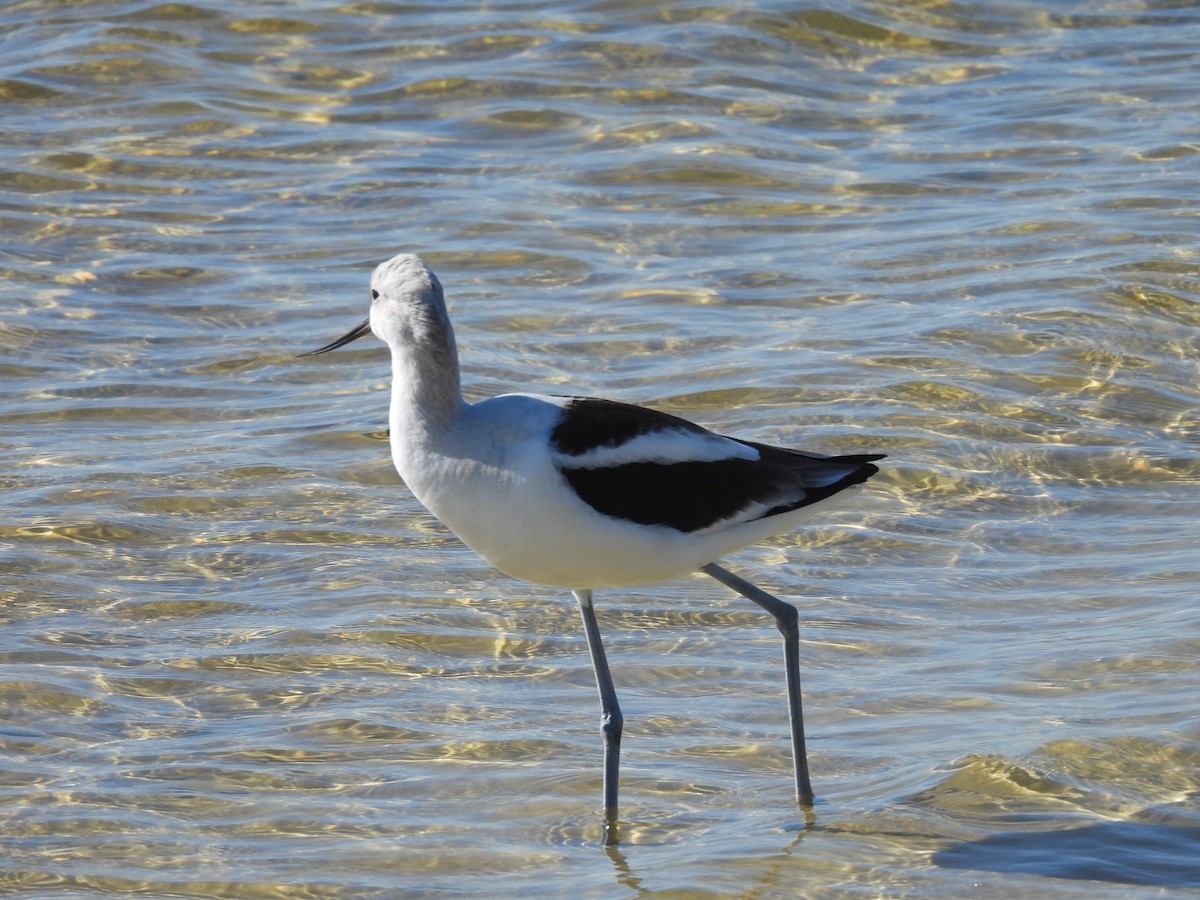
x,y
361,331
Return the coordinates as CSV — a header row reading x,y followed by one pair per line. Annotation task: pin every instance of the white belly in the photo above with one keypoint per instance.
x,y
490,479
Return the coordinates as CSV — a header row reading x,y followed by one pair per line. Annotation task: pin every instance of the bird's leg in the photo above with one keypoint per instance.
x,y
611,721
787,620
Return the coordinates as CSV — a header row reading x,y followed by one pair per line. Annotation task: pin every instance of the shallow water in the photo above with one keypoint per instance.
x,y
239,659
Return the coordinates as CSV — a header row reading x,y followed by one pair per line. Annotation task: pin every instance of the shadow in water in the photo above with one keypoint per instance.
x,y
629,878
1119,852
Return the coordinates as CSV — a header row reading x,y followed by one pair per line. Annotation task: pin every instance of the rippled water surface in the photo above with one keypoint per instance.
x,y
237,659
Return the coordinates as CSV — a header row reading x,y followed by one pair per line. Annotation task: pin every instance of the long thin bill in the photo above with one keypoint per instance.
x,y
361,331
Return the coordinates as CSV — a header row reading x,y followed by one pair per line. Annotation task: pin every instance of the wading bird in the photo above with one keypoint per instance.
x,y
582,494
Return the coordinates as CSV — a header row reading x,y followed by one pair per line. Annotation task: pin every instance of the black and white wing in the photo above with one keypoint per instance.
x,y
653,468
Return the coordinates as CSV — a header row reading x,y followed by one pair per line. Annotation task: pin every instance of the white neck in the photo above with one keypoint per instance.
x,y
426,394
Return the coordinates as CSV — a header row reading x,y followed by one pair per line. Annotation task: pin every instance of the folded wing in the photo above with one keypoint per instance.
x,y
653,468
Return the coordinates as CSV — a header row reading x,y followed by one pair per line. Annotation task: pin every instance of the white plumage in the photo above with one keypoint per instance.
x,y
582,494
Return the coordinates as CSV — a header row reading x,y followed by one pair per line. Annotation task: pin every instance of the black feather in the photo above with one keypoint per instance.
x,y
692,495
587,424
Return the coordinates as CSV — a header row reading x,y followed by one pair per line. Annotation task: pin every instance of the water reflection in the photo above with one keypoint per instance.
x,y
1114,852
962,233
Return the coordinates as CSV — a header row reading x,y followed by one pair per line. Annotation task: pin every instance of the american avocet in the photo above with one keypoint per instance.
x,y
582,494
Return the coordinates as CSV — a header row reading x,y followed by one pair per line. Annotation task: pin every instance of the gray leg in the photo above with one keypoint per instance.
x,y
787,620
611,721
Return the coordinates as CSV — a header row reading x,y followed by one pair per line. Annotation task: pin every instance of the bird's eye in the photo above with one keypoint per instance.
x,y
374,294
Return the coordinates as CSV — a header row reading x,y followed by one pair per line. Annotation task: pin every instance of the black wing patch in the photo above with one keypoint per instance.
x,y
693,494
587,424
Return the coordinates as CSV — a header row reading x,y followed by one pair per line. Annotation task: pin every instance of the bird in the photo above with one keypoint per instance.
x,y
586,494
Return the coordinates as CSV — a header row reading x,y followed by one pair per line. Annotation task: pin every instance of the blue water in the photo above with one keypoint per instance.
x,y
238,660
